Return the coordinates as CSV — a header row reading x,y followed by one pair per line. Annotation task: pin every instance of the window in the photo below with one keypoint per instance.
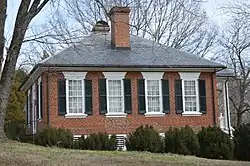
x,y
39,100
190,93
75,96
115,97
153,92
115,94
153,95
28,106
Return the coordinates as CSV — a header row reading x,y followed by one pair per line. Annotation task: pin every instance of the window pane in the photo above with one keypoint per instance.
x,y
190,95
115,95
75,96
153,95
153,87
115,104
153,104
190,103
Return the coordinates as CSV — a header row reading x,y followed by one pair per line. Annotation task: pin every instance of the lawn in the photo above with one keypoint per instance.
x,y
13,153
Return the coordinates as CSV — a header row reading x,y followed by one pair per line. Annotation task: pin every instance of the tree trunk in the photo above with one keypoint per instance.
x,y
239,119
26,12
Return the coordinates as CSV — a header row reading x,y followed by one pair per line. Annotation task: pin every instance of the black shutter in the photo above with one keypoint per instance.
x,y
37,101
127,96
202,96
41,98
61,97
88,97
141,97
178,97
165,96
102,96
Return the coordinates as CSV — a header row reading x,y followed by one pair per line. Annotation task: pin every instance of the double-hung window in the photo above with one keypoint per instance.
x,y
115,97
153,96
190,93
75,96
75,93
115,93
153,93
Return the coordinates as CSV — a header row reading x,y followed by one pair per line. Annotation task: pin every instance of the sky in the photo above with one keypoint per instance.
x,y
212,7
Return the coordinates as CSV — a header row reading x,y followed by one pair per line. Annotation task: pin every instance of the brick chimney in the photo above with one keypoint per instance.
x,y
120,37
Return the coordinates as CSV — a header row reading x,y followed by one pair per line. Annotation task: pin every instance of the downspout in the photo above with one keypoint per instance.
x,y
48,99
227,105
214,112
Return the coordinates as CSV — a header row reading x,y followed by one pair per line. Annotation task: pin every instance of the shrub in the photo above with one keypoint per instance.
x,y
98,141
145,139
182,141
215,144
55,137
242,142
15,130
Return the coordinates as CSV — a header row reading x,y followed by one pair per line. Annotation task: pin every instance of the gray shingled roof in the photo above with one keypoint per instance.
x,y
95,50
225,73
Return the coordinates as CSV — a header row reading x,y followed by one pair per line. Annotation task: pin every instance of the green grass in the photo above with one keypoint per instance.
x,y
13,153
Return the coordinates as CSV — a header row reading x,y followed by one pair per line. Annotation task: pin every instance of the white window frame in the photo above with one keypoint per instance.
x,y
188,76
28,106
39,99
34,112
75,76
115,76
153,76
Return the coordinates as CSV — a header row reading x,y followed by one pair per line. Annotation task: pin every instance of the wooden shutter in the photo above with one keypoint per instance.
x,y
102,96
202,96
37,101
127,96
41,98
178,97
88,97
141,97
165,96
62,97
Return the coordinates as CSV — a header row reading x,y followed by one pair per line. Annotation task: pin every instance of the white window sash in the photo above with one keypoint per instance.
x,y
185,76
153,76
39,99
109,96
115,76
67,97
75,76
147,96
28,106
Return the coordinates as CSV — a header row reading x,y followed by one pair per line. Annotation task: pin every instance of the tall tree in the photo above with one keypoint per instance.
x,y
176,23
14,117
235,44
26,12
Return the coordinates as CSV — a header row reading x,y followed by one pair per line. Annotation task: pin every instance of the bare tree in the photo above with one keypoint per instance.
x,y
26,12
176,23
235,43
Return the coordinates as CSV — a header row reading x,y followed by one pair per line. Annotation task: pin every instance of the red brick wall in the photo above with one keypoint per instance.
x,y
100,123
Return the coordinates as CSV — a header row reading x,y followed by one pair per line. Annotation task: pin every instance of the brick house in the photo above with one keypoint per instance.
x,y
115,82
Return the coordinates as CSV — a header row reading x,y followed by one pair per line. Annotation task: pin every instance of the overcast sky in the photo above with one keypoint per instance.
x,y
211,7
